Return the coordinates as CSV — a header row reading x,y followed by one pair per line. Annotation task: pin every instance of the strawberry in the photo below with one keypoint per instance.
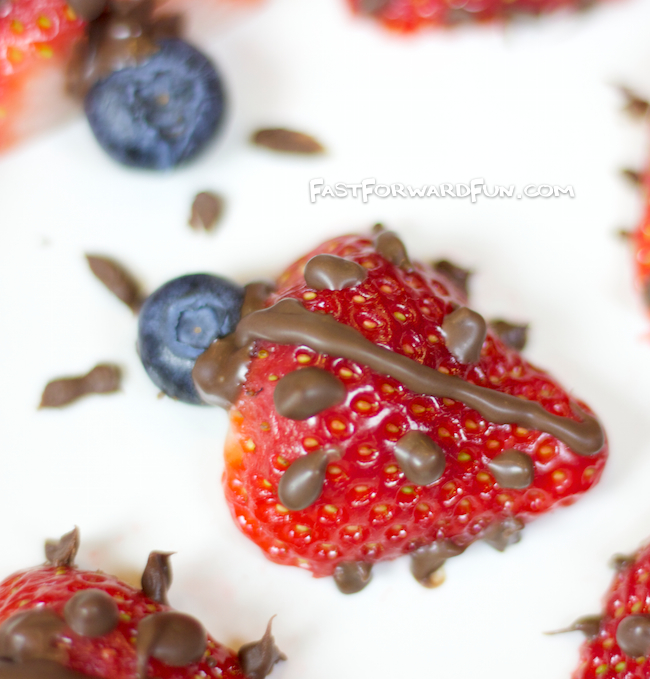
x,y
57,621
618,641
344,450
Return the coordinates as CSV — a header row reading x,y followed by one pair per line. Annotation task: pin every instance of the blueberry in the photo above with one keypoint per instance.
x,y
178,322
159,113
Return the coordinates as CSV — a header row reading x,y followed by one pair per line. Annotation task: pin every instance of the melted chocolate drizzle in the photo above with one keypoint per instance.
x,y
505,533
329,272
306,392
302,484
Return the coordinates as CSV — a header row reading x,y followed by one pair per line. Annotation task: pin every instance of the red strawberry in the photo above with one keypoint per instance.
x,y
410,15
618,642
362,466
59,622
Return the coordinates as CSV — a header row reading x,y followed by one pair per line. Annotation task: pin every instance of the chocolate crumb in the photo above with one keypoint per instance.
x,y
287,141
634,105
258,657
102,379
634,177
63,551
118,280
514,335
207,209
456,275
157,577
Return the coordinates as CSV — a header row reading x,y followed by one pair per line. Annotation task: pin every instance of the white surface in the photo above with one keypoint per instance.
x,y
532,103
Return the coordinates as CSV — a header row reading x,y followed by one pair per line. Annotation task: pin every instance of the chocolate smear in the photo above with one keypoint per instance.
x,y
352,576
589,625
420,458
634,105
620,562
513,335
102,379
118,280
157,577
88,9
633,635
306,392
329,272
258,657
455,274
38,669
512,469
635,178
287,141
302,483
33,634
465,331
207,209
174,638
504,533
63,551
91,613
390,247
425,561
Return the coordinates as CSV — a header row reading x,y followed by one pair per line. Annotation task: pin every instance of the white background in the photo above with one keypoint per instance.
x,y
529,103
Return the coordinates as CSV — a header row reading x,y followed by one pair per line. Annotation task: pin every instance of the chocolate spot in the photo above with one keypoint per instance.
x,y
425,561
620,562
456,275
173,638
287,141
512,335
512,469
390,247
102,379
465,331
38,669
92,613
329,272
306,392
63,551
634,105
504,533
420,458
258,657
33,634
302,484
207,209
352,576
589,625
633,635
157,577
88,9
635,178
118,281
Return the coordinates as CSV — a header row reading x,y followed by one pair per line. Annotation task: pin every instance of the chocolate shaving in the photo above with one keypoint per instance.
x,y
157,577
456,275
513,335
258,657
62,552
118,280
207,209
102,379
287,141
634,105
634,177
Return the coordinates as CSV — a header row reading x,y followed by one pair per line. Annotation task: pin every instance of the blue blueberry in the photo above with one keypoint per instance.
x,y
160,113
178,323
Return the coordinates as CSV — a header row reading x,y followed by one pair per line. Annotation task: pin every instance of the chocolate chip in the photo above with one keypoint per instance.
x,y
352,576
287,141
513,335
390,247
157,577
258,657
504,533
465,331
92,613
118,280
102,379
633,635
62,552
421,459
302,483
425,561
512,469
33,634
207,209
456,275
329,272
303,393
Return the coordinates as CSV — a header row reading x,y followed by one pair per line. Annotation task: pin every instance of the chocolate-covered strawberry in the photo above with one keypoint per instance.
x,y
60,622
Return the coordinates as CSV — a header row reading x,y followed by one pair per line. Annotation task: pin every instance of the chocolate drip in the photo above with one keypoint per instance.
x,y
302,484
425,561
633,635
456,275
589,625
306,392
63,551
390,246
33,634
352,576
173,638
157,577
288,322
88,9
329,272
255,296
91,613
258,657
420,458
511,334
512,469
504,533
465,331
38,669
206,211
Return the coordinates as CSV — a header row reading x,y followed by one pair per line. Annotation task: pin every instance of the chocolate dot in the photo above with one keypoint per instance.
x,y
306,392
512,469
63,551
633,635
157,577
465,331
513,335
329,272
32,634
504,533
258,657
352,576
302,484
91,613
421,459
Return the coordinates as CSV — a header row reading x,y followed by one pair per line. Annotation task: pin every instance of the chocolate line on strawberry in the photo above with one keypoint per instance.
x,y
421,459
465,331
352,576
427,561
330,272
512,469
288,322
258,657
157,577
302,483
91,613
306,392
